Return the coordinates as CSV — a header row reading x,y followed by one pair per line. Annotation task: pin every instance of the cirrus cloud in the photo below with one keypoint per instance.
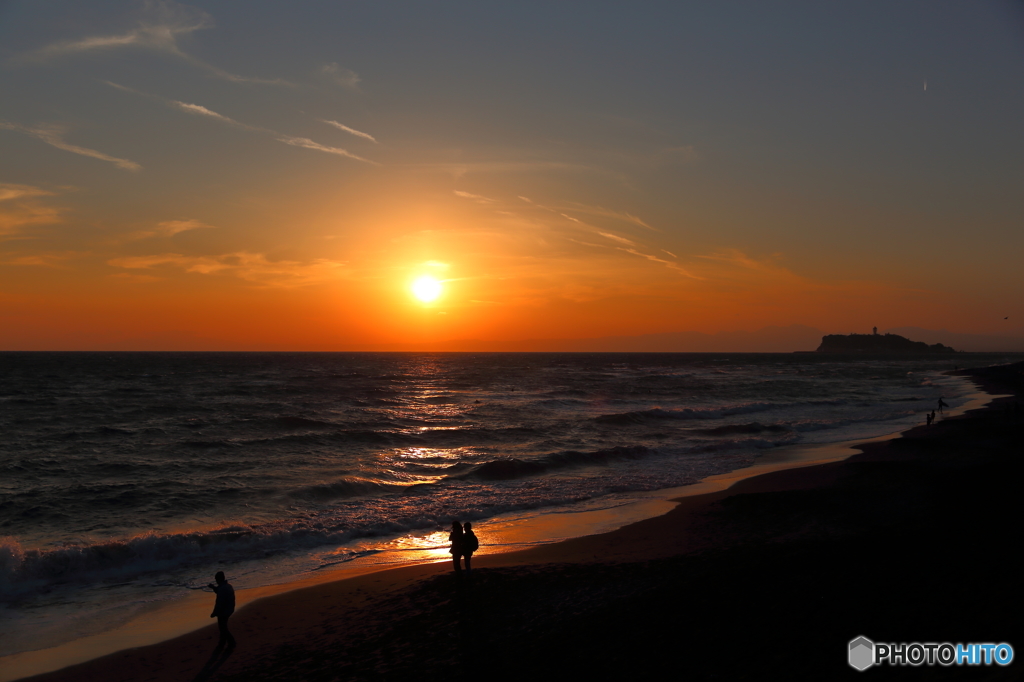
x,y
251,267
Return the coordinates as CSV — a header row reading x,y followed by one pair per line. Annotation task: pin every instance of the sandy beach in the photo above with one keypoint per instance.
x,y
913,540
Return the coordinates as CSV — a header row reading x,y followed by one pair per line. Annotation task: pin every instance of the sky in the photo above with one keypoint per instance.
x,y
257,175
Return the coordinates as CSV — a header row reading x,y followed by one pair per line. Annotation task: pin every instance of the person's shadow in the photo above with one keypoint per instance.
x,y
216,660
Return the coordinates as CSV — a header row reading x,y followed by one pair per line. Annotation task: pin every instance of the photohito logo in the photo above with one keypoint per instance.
x,y
863,653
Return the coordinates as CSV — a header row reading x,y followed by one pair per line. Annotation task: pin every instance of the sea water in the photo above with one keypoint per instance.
x,y
129,478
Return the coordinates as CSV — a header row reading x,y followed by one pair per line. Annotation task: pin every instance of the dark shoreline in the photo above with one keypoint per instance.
x,y
913,540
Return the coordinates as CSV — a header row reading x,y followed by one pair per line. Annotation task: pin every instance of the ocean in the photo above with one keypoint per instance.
x,y
129,478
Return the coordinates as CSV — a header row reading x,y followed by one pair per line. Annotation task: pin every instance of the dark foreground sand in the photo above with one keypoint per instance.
x,y
914,540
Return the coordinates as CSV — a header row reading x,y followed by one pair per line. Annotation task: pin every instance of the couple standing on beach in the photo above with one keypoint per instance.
x,y
464,543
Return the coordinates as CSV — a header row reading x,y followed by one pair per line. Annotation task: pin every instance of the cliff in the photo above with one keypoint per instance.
x,y
877,343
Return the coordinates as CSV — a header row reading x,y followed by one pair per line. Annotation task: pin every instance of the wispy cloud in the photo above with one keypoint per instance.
x,y
669,264
608,213
339,75
351,131
173,227
54,136
203,111
199,110
9,191
161,24
615,237
573,234
307,143
169,228
252,267
19,206
479,198
459,169
159,27
46,260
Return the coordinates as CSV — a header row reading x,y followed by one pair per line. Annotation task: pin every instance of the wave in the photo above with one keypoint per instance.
x,y
641,416
509,468
345,487
736,429
301,423
24,571
389,436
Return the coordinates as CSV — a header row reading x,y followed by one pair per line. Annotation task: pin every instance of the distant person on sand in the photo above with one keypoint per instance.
x,y
933,416
929,418
942,403
469,544
224,607
456,537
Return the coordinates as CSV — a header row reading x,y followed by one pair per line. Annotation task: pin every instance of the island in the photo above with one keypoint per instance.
x,y
877,343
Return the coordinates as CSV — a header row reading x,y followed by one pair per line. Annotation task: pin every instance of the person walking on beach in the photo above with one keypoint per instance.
x,y
942,403
456,537
929,419
469,543
223,608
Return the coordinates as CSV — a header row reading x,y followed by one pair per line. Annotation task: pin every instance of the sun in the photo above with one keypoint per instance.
x,y
426,288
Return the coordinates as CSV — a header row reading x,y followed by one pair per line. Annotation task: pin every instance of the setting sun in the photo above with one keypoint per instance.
x,y
426,288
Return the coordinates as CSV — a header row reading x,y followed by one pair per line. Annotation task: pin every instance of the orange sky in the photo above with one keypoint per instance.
x,y
189,177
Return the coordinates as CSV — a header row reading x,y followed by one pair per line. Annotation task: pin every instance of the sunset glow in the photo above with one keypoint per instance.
x,y
179,176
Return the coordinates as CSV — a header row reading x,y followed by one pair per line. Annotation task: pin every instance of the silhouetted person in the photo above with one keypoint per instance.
x,y
224,607
456,537
942,403
469,543
929,419
933,416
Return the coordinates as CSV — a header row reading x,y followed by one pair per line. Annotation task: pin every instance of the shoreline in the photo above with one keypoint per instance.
x,y
775,471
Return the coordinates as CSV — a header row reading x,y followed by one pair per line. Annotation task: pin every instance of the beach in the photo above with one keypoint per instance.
x,y
910,541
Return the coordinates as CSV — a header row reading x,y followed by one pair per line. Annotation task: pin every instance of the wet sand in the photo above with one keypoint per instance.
x,y
913,540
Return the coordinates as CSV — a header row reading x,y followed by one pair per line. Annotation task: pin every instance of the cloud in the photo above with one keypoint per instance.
x,y
480,199
161,23
19,206
351,131
669,264
608,213
10,191
458,169
47,260
339,75
173,227
307,143
252,267
169,228
54,136
203,111
538,211
199,110
617,238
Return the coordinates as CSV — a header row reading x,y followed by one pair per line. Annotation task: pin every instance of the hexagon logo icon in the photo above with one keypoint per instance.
x,y
862,653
